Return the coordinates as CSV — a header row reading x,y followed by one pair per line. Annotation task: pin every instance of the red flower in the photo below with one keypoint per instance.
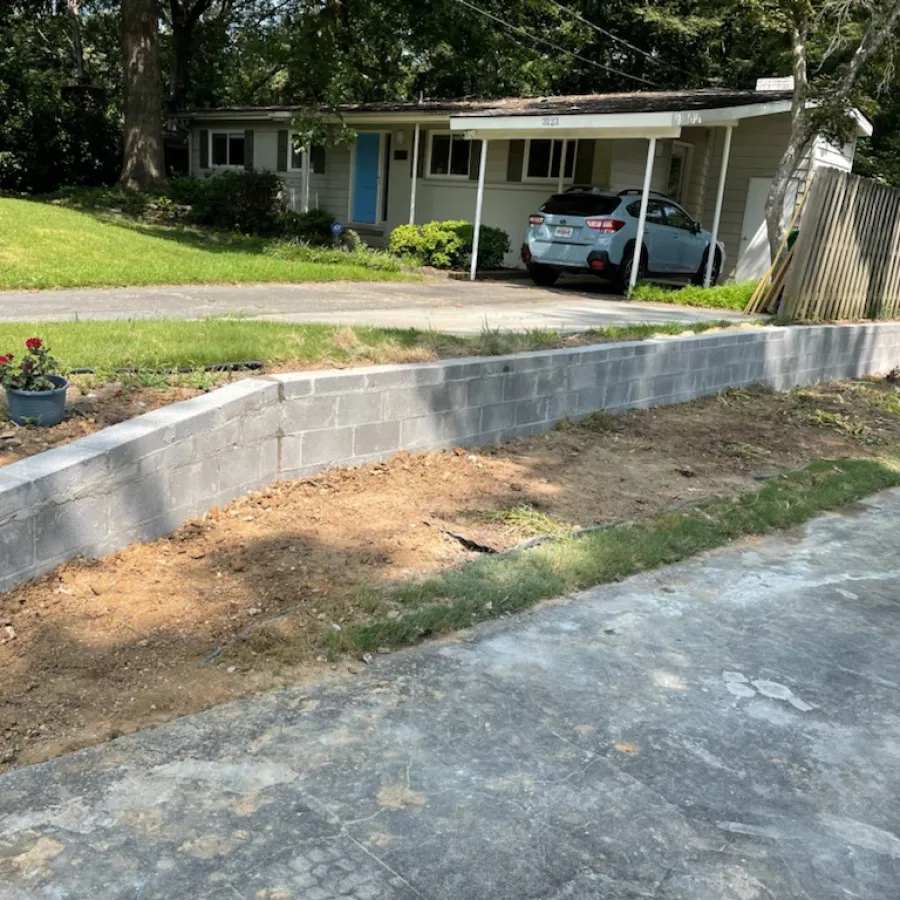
x,y
34,343
6,360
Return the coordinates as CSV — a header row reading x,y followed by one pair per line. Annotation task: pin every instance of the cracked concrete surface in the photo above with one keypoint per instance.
x,y
456,307
724,729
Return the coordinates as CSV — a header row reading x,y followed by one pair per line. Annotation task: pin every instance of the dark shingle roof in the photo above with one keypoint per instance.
x,y
636,102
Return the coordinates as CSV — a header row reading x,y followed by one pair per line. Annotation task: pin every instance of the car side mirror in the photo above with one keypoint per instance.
x,y
696,227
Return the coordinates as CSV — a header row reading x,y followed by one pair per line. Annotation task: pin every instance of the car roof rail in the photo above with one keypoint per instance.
x,y
587,189
639,191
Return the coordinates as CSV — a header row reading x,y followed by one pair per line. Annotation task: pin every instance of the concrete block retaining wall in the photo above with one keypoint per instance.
x,y
141,479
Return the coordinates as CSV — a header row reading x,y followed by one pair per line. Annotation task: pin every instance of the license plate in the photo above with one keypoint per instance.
x,y
564,231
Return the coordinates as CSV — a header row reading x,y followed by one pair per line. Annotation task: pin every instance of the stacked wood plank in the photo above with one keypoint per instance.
x,y
845,263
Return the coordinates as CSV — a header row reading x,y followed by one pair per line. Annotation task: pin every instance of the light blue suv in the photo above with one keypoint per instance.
x,y
588,230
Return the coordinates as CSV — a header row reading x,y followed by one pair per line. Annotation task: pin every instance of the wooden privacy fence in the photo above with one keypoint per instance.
x,y
845,263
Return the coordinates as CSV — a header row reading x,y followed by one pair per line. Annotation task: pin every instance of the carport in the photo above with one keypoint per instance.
x,y
591,118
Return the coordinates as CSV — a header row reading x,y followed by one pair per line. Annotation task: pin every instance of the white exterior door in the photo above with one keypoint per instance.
x,y
753,254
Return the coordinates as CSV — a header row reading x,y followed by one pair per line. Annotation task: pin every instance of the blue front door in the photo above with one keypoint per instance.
x,y
365,178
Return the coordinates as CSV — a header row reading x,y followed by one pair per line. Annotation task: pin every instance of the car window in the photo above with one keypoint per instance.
x,y
677,217
655,214
572,204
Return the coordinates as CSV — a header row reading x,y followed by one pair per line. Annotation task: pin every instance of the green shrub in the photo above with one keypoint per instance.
x,y
238,201
102,199
448,245
313,227
186,189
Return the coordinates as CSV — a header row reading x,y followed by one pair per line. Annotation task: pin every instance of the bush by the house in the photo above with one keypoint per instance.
x,y
448,245
237,201
313,227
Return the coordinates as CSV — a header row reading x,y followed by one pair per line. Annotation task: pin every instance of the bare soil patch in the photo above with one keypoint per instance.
x,y
101,648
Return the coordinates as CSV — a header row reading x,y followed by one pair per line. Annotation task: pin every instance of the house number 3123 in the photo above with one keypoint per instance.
x,y
549,121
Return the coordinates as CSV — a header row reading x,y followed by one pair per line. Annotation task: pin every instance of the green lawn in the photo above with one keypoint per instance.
x,y
47,246
163,343
723,296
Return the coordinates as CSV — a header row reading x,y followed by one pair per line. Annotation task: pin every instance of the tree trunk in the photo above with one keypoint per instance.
x,y
800,139
180,71
143,165
74,11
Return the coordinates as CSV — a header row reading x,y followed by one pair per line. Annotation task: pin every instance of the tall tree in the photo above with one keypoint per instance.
x,y
848,36
143,164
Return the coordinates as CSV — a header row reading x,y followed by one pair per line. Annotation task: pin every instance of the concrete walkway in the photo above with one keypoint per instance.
x,y
724,729
443,305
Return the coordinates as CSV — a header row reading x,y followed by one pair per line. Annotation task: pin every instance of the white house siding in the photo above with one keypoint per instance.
x,y
618,164
329,190
756,148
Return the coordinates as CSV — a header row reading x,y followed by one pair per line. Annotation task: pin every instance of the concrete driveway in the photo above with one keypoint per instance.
x,y
724,729
440,304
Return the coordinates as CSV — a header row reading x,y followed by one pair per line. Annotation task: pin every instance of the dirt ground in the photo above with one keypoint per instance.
x,y
101,648
90,408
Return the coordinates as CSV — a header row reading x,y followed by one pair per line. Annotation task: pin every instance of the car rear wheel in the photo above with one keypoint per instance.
x,y
543,276
623,276
700,274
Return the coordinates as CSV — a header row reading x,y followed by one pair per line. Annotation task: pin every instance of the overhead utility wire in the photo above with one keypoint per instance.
x,y
622,41
553,46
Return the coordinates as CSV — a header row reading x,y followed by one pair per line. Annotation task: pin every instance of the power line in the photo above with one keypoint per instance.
x,y
553,46
622,41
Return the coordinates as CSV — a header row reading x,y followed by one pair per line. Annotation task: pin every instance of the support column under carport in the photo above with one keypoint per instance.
x,y
479,206
717,215
642,219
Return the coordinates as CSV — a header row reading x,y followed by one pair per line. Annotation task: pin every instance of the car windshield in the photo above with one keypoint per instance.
x,y
573,204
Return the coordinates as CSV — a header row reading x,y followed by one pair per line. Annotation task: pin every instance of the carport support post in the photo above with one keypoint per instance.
x,y
479,204
415,172
642,219
717,216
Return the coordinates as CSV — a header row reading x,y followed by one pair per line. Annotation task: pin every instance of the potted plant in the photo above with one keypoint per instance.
x,y
35,391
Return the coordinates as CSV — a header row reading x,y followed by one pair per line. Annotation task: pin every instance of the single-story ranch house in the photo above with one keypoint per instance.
x,y
496,161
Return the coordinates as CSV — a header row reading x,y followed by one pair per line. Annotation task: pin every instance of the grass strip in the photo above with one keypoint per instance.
x,y
157,344
494,586
722,296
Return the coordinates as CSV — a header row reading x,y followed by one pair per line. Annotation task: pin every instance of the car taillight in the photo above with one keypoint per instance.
x,y
604,224
539,220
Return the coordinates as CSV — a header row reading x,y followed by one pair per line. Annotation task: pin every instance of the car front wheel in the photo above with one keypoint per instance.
x,y
623,276
700,274
543,276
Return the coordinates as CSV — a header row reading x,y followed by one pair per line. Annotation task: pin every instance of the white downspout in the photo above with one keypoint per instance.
x,y
562,166
479,204
642,219
415,170
717,216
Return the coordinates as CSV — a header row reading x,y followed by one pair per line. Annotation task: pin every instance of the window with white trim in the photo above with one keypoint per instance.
x,y
227,148
296,156
448,155
543,157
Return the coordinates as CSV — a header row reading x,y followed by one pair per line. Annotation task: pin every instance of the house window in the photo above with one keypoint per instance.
x,y
448,156
227,148
543,159
296,161
297,157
